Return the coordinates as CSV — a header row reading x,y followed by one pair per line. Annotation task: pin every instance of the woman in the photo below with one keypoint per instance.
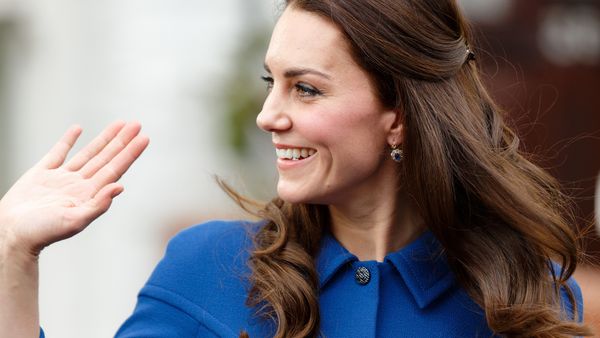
x,y
455,234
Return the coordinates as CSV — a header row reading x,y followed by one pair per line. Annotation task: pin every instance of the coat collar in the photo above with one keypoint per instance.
x,y
421,264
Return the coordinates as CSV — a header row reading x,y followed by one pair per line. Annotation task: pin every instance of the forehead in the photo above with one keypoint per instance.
x,y
301,38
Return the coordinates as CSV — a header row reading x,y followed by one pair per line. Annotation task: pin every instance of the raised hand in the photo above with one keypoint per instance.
x,y
55,200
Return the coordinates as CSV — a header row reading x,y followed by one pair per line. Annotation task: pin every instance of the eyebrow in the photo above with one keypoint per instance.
x,y
294,72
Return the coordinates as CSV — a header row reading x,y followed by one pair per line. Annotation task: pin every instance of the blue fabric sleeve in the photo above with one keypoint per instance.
x,y
159,318
42,333
192,290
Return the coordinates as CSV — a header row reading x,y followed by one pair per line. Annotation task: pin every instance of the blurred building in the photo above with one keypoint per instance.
x,y
542,58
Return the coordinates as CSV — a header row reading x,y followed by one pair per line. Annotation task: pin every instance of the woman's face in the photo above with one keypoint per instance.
x,y
327,124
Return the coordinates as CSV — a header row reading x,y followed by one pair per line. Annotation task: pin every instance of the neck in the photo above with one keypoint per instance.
x,y
371,229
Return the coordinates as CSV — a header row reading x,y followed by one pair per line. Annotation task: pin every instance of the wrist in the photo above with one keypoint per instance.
x,y
13,253
19,282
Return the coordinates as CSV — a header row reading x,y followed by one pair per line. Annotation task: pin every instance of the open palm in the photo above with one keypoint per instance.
x,y
55,200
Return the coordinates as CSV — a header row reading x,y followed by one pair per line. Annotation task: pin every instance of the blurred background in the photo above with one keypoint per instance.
x,y
189,72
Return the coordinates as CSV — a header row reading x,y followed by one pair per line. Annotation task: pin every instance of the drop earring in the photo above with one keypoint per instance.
x,y
396,153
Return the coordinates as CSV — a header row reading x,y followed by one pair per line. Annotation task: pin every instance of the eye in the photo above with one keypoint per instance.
x,y
269,81
305,90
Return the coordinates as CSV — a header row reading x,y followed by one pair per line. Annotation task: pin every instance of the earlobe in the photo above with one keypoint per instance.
x,y
396,129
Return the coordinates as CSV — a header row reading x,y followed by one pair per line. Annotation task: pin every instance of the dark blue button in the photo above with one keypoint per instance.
x,y
362,275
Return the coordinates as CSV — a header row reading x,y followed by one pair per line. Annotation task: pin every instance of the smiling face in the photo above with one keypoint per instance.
x,y
327,124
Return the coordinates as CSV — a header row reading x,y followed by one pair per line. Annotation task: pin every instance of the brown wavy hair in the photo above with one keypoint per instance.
x,y
501,219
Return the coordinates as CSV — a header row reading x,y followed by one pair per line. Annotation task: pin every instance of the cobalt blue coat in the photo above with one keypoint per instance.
x,y
199,289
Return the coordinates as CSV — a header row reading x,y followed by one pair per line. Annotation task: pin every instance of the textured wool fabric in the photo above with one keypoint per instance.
x,y
199,289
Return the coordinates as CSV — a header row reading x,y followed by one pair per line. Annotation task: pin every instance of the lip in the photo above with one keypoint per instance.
x,y
291,164
288,146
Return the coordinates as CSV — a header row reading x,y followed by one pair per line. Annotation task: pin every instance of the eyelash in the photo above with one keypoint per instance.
x,y
303,89
269,81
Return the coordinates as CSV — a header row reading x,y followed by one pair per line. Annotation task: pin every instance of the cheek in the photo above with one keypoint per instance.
x,y
351,120
359,130
352,143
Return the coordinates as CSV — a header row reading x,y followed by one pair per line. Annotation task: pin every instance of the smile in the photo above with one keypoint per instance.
x,y
294,154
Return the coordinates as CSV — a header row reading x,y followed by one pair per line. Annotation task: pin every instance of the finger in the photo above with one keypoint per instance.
x,y
57,155
112,149
104,197
112,171
94,147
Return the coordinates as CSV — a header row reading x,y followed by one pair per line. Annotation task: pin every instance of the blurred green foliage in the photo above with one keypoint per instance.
x,y
244,90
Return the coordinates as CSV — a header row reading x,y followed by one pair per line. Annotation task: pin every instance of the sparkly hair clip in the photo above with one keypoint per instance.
x,y
470,55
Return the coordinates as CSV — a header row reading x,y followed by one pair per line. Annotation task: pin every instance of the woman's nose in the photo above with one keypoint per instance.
x,y
272,117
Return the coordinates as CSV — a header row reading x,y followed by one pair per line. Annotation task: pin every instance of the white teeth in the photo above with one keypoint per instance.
x,y
295,153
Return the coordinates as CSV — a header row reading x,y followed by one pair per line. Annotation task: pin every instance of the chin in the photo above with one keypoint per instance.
x,y
292,195
297,196
293,198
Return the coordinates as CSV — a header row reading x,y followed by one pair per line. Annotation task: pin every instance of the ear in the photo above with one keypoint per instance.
x,y
395,131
